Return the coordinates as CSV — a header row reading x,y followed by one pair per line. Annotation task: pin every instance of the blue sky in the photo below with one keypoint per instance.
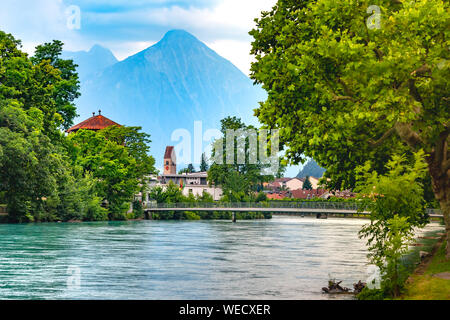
x,y
129,26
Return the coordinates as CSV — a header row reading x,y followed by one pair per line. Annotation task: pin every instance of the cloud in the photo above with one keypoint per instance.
x,y
128,26
228,19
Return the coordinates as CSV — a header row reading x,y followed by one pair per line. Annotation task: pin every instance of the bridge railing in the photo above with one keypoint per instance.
x,y
351,206
282,205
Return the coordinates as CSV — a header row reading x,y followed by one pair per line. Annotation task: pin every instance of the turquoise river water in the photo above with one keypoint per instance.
x,y
281,258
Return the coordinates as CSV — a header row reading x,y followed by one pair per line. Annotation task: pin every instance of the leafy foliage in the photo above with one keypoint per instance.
x,y
342,93
117,159
66,85
238,180
396,203
45,176
37,181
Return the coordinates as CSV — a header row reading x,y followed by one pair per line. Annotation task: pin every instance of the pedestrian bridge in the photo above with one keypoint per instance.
x,y
294,208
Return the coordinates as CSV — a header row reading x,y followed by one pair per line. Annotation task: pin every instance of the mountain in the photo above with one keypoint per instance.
x,y
311,169
92,61
166,87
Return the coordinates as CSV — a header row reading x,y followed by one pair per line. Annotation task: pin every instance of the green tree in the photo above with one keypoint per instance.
x,y
307,184
342,92
396,203
66,84
191,168
204,163
171,194
37,180
30,85
117,159
237,179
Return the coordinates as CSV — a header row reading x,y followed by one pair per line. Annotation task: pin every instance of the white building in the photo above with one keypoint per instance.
x,y
191,183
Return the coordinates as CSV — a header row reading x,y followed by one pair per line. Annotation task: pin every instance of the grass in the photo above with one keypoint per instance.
x,y
425,286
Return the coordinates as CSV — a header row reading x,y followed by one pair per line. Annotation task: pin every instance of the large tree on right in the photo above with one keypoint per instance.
x,y
354,80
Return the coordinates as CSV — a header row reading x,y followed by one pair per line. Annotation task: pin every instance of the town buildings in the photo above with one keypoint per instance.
x,y
195,183
293,188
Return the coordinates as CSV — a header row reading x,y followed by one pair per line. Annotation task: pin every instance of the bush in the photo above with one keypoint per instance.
x,y
190,216
371,294
95,212
396,204
138,210
118,212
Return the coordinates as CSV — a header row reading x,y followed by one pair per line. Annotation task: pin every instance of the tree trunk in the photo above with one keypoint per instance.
x,y
441,188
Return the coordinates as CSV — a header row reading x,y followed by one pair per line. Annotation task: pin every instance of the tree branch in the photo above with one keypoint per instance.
x,y
413,90
408,135
347,91
385,136
340,98
423,71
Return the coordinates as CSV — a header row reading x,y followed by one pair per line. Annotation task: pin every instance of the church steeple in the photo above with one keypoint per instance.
x,y
170,161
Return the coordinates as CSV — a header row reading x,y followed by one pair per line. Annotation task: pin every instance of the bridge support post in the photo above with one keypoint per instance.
x,y
234,217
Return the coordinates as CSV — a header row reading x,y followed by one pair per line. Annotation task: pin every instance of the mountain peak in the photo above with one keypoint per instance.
x,y
98,48
178,35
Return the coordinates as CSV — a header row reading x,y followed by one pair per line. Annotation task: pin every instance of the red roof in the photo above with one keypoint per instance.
x,y
305,194
169,151
98,122
277,195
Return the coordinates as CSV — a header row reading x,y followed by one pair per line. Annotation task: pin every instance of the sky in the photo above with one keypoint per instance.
x,y
129,26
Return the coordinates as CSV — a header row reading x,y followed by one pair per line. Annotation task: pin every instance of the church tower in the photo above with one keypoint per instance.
x,y
170,161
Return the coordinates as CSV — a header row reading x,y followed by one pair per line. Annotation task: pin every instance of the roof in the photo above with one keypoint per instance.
x,y
277,195
282,180
186,175
305,194
98,122
169,151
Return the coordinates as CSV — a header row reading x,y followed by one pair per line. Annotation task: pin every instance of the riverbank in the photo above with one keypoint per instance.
x,y
170,215
431,278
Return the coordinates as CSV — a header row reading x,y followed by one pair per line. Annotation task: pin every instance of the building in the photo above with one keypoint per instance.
x,y
278,195
170,161
95,123
345,194
308,194
192,183
294,184
314,182
195,183
278,184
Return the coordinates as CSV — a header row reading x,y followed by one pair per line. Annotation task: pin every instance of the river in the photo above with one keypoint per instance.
x,y
281,258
